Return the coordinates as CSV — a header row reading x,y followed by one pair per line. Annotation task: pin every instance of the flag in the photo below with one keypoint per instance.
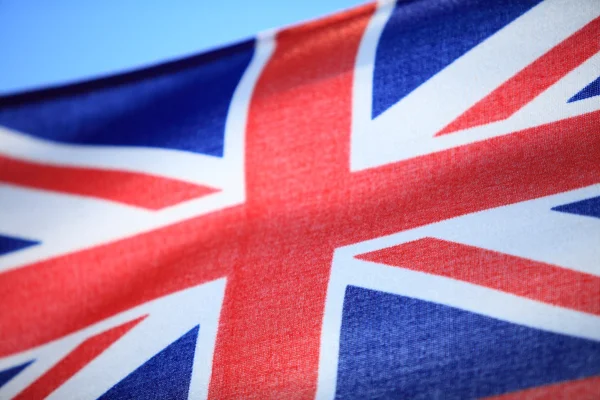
x,y
400,201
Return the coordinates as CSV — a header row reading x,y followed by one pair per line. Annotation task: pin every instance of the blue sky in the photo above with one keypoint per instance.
x,y
45,43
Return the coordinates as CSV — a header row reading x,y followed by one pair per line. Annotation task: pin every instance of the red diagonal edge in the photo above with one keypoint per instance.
x,y
302,203
526,278
132,188
544,72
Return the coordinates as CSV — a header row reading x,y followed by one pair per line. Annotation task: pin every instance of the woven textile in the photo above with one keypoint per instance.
x,y
401,201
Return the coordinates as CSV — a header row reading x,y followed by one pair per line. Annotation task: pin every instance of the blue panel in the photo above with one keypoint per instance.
x,y
589,207
167,375
396,347
10,373
180,105
591,90
8,244
422,37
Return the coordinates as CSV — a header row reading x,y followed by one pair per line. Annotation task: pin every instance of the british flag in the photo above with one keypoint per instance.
x,y
399,201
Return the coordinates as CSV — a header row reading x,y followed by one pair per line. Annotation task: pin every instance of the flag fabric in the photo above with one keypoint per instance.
x,y
401,201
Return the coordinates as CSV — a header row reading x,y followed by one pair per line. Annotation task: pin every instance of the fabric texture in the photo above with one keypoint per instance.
x,y
400,201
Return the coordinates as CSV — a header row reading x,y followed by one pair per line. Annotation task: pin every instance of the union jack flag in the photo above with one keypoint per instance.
x,y
399,201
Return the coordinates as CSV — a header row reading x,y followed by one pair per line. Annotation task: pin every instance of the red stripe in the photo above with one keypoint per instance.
x,y
528,164
296,161
302,203
132,188
532,80
582,389
535,280
65,294
75,361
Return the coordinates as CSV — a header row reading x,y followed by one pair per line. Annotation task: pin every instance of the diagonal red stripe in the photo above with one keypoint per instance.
x,y
132,188
64,294
515,93
522,277
581,389
74,361
302,203
535,162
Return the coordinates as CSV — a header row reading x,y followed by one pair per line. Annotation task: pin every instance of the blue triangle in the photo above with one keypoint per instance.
x,y
589,207
591,90
421,38
181,105
11,372
9,244
397,347
165,376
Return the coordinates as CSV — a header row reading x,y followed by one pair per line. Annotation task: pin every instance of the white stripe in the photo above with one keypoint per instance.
x,y
406,129
528,229
533,230
347,270
61,222
217,172
169,317
552,104
175,164
67,223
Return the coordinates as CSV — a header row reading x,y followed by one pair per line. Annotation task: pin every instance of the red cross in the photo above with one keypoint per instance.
x,y
302,202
